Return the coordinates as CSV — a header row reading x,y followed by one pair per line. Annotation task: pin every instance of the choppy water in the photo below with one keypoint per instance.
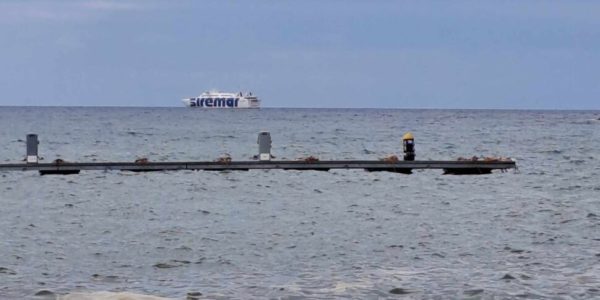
x,y
290,234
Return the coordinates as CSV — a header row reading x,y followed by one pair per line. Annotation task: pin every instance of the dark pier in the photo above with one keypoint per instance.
x,y
454,167
264,162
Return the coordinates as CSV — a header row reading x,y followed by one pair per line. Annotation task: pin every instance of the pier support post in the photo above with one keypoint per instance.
x,y
32,149
408,142
264,145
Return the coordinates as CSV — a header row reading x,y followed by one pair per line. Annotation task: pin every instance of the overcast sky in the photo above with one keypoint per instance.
x,y
397,54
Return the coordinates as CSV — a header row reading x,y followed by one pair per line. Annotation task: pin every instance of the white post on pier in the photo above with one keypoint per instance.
x,y
264,145
32,148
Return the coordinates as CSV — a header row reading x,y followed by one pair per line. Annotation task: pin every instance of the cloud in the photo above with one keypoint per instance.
x,y
109,5
41,11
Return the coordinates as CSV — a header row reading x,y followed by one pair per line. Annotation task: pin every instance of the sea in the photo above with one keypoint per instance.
x,y
530,233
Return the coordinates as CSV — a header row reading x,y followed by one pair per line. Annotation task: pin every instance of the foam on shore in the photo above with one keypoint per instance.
x,y
109,296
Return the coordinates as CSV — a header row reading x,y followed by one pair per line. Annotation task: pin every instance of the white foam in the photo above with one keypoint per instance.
x,y
109,296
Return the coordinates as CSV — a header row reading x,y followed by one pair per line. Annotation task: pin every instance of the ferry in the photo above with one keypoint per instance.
x,y
215,99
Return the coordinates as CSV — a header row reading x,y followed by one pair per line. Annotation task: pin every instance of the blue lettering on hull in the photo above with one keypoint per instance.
x,y
214,102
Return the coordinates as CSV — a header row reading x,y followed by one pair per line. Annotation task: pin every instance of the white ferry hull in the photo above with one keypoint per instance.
x,y
222,100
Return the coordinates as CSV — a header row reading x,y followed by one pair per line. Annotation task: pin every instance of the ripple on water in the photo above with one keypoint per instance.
x,y
251,234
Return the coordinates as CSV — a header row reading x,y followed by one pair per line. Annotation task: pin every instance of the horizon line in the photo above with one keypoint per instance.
x,y
297,107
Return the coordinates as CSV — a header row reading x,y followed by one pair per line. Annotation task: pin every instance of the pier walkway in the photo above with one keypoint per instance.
x,y
264,162
450,167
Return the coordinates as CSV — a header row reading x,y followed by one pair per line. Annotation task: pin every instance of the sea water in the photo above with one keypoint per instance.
x,y
531,233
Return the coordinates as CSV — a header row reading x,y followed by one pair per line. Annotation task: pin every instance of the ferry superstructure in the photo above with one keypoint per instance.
x,y
215,99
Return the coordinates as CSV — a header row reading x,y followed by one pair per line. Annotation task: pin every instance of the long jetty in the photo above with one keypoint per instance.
x,y
264,162
369,165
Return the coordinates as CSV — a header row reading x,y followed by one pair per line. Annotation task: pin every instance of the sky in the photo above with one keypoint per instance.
x,y
354,54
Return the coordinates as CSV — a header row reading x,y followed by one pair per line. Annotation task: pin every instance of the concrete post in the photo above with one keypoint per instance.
x,y
264,145
32,148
